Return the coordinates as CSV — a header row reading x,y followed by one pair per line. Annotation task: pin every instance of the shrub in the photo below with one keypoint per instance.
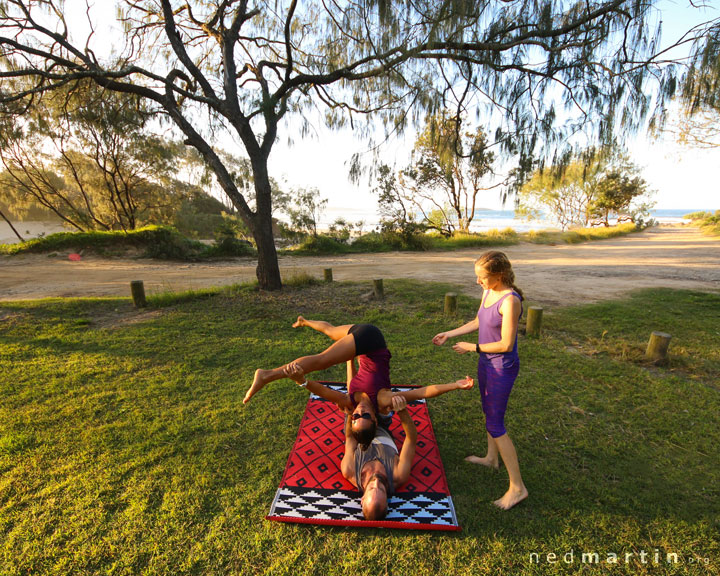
x,y
168,244
228,246
322,244
300,278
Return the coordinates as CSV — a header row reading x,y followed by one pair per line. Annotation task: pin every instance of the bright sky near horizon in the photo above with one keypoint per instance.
x,y
683,178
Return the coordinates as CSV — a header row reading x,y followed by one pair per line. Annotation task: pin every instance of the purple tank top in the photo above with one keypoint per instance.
x,y
490,325
372,376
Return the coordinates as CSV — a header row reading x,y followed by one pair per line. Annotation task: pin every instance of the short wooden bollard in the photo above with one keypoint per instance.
x,y
450,303
137,288
378,289
657,348
534,321
328,274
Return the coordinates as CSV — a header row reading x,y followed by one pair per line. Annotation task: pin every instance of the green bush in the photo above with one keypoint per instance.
x,y
461,240
157,241
322,244
228,246
166,243
701,215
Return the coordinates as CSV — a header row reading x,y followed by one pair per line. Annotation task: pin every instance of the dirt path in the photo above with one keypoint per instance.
x,y
675,257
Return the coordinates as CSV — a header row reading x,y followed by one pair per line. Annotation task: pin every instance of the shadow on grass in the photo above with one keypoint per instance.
x,y
135,434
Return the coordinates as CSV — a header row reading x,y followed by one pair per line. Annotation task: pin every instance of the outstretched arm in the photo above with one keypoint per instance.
x,y
440,339
347,466
510,311
429,391
295,372
403,466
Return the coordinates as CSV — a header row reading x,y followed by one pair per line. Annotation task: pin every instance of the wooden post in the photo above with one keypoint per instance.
x,y
450,303
378,288
138,293
657,348
534,321
328,274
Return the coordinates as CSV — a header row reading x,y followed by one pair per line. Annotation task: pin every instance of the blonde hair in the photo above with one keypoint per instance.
x,y
494,262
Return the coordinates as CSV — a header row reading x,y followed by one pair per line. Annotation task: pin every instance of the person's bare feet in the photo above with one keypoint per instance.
x,y
512,497
484,461
258,382
299,322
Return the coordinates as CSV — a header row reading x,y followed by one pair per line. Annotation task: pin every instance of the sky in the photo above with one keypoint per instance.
x,y
681,178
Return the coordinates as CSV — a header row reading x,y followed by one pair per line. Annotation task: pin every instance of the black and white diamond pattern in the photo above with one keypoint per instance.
x,y
426,508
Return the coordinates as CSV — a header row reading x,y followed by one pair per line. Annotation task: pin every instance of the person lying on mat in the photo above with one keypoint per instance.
x,y
377,468
367,343
375,405
371,461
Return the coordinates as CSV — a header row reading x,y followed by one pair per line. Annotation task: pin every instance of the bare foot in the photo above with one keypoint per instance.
x,y
512,496
258,382
465,384
299,322
484,461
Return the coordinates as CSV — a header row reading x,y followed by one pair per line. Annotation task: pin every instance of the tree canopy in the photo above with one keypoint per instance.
x,y
594,184
539,69
447,173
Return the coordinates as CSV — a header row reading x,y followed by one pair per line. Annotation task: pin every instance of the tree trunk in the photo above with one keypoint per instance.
x,y
268,270
11,226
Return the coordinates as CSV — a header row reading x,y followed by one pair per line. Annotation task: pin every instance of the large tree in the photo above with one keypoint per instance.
x,y
243,66
87,157
591,184
695,123
447,172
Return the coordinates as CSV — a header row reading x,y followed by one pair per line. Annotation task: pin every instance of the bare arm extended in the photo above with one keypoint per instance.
x,y
510,311
347,466
440,339
403,466
385,396
295,372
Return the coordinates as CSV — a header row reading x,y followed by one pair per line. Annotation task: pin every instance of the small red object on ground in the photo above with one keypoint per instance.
x,y
75,257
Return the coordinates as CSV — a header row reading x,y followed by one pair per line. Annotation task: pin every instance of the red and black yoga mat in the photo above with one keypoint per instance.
x,y
314,491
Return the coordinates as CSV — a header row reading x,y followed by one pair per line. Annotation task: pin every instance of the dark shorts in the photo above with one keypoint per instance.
x,y
368,338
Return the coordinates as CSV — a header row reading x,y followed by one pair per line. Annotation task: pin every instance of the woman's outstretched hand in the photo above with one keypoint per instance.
x,y
463,347
440,339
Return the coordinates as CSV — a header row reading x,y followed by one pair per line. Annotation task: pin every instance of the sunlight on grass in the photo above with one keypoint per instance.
x,y
125,447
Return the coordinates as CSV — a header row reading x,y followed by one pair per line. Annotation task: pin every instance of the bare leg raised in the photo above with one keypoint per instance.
x,y
334,332
340,351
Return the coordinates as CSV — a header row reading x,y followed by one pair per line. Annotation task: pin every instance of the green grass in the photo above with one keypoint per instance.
x,y
125,447
708,222
162,242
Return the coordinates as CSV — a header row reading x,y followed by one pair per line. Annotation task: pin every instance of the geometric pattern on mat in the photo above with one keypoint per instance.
x,y
314,491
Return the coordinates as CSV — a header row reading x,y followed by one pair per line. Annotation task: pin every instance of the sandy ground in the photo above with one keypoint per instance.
x,y
666,256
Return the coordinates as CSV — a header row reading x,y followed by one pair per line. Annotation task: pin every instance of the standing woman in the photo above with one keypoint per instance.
x,y
497,324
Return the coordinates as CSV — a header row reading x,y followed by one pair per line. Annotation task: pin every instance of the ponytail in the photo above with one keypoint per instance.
x,y
496,262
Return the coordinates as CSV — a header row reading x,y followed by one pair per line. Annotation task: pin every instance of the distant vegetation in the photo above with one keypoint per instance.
x,y
388,241
708,222
162,242
166,242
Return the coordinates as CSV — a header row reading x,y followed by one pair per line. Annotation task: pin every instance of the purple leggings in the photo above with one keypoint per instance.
x,y
496,376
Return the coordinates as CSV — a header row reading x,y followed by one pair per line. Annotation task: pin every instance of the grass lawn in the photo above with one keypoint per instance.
x,y
125,447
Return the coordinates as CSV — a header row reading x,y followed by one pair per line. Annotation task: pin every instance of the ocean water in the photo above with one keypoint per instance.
x,y
485,220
